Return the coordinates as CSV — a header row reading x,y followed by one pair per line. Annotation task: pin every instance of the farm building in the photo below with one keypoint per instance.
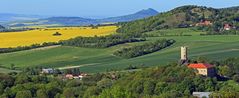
x,y
47,71
203,69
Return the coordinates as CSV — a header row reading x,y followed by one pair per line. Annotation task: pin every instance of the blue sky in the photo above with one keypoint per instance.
x,y
100,8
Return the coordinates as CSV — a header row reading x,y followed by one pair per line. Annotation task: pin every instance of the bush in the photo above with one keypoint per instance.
x,y
57,34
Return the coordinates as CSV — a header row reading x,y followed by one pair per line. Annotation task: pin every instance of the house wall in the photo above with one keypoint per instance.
x,y
202,71
206,71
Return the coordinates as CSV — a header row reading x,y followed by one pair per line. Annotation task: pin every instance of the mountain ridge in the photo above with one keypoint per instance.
x,y
9,17
138,15
80,21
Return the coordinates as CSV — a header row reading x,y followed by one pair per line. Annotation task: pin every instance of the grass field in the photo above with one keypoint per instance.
x,y
26,38
100,60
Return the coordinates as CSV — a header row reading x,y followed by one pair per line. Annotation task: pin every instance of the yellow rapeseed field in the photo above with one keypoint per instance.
x,y
26,38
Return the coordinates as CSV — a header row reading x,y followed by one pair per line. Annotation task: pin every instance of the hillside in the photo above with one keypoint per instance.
x,y
79,21
182,17
95,60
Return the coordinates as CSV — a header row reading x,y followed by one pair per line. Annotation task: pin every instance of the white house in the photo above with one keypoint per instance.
x,y
201,94
47,71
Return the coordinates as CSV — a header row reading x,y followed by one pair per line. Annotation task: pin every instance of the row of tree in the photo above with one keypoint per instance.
x,y
146,48
100,42
20,48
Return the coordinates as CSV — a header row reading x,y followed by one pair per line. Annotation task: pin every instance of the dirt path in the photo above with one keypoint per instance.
x,y
48,47
70,67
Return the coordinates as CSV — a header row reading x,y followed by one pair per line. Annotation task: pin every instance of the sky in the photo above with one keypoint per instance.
x,y
100,8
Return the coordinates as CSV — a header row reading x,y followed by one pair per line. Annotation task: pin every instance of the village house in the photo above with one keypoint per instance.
x,y
227,27
204,23
203,69
71,76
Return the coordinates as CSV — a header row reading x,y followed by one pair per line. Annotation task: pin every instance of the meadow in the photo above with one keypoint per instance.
x,y
39,36
214,47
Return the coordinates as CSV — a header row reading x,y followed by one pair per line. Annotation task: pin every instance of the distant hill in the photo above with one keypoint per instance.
x,y
181,17
79,21
67,21
2,28
8,17
139,15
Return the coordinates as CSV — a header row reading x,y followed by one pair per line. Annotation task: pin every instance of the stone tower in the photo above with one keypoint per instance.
x,y
184,53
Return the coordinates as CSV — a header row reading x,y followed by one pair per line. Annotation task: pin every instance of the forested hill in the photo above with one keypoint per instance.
x,y
181,17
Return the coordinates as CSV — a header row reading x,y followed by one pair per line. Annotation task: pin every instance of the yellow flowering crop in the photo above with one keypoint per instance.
x,y
26,38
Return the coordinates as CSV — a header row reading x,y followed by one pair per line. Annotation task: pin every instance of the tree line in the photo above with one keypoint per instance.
x,y
20,48
100,42
146,48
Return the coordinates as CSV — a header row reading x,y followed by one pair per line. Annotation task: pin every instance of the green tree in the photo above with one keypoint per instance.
x,y
22,78
68,93
24,94
105,83
224,70
42,94
149,87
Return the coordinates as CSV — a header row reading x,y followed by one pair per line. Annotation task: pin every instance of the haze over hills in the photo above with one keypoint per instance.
x,y
8,17
71,21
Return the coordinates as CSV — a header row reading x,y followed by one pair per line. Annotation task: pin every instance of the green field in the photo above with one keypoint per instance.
x,y
100,60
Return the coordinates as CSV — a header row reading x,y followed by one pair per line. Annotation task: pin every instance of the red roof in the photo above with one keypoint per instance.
x,y
200,65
